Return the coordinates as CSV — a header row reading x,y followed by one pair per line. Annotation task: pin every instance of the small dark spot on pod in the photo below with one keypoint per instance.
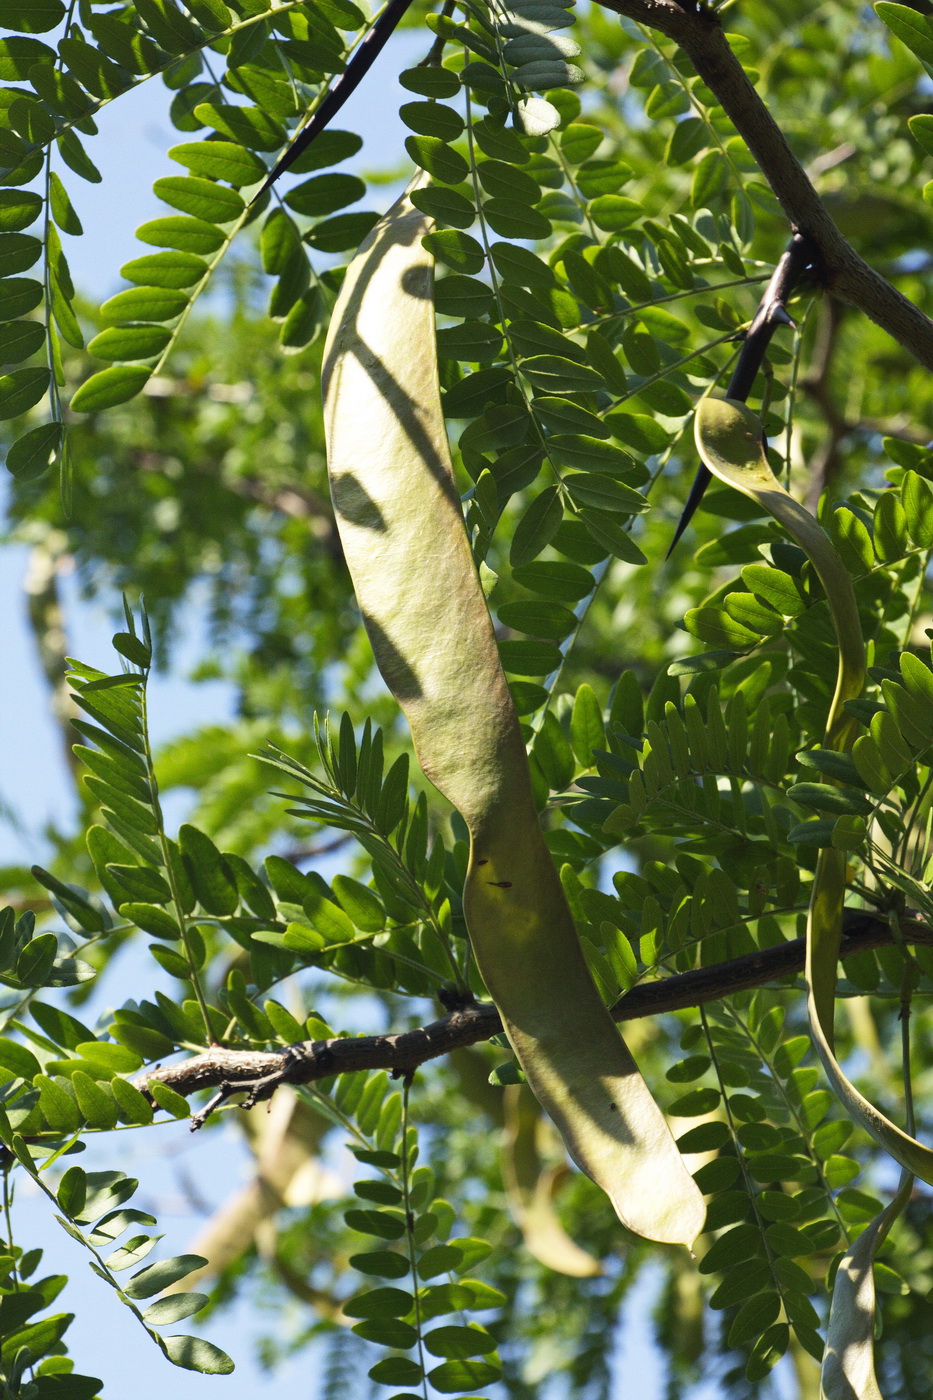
x,y
500,884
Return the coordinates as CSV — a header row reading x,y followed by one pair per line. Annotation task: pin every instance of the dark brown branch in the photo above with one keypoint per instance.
x,y
847,275
296,855
827,462
297,501
259,1073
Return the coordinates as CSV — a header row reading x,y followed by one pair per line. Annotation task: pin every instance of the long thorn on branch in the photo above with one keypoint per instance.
x,y
344,87
257,1074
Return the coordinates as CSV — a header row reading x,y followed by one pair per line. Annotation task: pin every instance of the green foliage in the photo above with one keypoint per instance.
x,y
602,237
773,1180
33,1344
87,1200
420,1228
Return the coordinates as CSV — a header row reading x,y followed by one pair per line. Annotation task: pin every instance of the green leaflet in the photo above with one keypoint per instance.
x,y
912,29
109,387
402,530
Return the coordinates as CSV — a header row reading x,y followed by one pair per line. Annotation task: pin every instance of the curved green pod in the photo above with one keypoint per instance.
x,y
848,1369
729,438
730,441
400,521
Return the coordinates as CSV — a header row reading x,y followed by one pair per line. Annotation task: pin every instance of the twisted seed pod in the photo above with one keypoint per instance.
x,y
730,441
848,1370
399,518
531,1188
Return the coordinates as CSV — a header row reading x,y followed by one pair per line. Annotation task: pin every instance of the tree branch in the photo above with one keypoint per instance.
x,y
259,1073
843,272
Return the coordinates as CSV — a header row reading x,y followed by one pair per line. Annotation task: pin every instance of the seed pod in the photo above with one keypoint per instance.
x,y
730,441
729,438
848,1370
531,1186
399,517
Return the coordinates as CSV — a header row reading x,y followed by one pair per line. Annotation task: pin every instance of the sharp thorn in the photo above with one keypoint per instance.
x,y
700,483
344,87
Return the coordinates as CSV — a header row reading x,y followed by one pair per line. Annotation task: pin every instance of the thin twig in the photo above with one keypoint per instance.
x,y
297,855
435,53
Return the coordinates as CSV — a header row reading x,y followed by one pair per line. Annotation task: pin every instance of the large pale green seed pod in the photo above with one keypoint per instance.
x,y
400,521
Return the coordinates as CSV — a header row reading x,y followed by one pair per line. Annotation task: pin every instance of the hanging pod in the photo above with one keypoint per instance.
x,y
531,1187
730,441
398,512
848,1370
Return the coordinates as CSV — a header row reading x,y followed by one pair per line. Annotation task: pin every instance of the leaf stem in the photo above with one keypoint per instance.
x,y
169,868
8,1215
494,279
409,1231
743,1164
680,296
